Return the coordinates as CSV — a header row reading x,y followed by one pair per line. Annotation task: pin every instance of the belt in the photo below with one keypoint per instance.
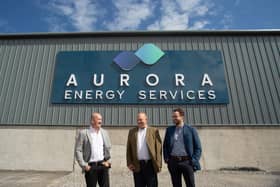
x,y
180,158
144,161
98,163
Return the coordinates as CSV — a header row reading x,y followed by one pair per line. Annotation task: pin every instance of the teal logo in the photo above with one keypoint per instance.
x,y
148,54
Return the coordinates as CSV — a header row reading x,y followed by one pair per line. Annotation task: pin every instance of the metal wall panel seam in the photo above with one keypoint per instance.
x,y
45,96
8,82
240,90
39,90
233,92
24,108
276,55
29,86
256,78
15,95
21,92
246,84
270,76
274,74
250,81
2,75
262,82
270,103
34,86
231,82
230,106
276,43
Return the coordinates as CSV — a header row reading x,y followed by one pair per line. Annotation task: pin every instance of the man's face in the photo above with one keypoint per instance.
x,y
177,118
142,120
96,120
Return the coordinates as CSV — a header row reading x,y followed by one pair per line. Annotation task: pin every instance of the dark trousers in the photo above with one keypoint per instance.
x,y
177,168
98,174
146,177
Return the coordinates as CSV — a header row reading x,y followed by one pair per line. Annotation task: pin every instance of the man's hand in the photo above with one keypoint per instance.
x,y
131,167
106,164
87,168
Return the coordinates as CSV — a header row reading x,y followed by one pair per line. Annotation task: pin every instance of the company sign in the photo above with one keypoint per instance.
x,y
146,76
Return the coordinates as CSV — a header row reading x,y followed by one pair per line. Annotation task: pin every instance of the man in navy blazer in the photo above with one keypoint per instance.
x,y
181,150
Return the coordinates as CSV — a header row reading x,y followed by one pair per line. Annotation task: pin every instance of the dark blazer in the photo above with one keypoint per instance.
x,y
154,146
192,144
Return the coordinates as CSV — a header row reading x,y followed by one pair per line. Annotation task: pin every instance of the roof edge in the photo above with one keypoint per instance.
x,y
138,33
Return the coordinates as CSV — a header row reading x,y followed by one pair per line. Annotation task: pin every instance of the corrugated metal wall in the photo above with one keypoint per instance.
x,y
251,69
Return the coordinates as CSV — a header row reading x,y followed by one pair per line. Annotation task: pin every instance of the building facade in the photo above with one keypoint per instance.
x,y
241,133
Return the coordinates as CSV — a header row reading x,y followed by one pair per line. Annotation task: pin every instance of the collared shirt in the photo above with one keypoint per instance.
x,y
97,149
179,145
142,148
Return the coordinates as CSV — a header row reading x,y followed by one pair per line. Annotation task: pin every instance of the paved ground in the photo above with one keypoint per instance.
x,y
124,179
29,179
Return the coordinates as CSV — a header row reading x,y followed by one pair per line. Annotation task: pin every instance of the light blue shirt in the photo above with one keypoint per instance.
x,y
179,146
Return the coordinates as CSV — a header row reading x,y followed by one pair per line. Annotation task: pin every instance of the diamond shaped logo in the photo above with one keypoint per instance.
x,y
149,53
126,60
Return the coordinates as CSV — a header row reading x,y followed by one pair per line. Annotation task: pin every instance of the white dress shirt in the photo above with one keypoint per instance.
x,y
97,153
142,148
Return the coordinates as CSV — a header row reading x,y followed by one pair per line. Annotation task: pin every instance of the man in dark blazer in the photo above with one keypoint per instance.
x,y
181,150
144,153
93,152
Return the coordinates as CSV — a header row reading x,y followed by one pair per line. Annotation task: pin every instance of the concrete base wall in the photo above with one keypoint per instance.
x,y
52,149
241,147
42,149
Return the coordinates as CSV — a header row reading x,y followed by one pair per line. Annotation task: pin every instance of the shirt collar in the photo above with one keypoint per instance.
x,y
142,129
91,129
180,126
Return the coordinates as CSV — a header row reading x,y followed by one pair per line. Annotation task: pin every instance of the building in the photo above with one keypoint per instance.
x,y
241,133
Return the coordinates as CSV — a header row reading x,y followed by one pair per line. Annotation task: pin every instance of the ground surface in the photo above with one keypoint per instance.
x,y
124,179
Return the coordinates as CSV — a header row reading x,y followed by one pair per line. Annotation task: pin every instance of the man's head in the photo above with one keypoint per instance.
x,y
96,120
142,120
178,116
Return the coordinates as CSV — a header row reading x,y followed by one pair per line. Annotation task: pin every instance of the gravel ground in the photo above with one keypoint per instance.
x,y
124,179
203,179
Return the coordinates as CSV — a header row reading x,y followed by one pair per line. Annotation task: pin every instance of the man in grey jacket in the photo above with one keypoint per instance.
x,y
93,152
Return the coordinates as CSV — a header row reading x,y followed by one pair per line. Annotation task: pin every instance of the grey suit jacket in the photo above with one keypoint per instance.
x,y
83,147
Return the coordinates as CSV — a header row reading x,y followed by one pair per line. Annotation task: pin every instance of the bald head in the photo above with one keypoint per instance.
x,y
96,120
142,120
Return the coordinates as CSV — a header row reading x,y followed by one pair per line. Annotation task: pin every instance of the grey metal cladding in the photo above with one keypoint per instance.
x,y
251,68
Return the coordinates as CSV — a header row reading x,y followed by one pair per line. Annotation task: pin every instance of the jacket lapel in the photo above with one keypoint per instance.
x,y
135,139
88,136
135,135
103,138
172,131
148,137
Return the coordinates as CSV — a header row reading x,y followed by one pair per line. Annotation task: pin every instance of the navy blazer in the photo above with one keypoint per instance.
x,y
192,144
